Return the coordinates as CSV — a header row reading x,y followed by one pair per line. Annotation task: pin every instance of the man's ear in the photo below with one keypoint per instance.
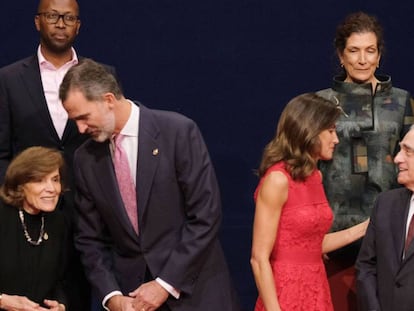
x,y
109,99
37,22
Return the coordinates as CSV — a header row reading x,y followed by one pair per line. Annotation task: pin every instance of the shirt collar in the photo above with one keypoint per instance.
x,y
131,126
43,61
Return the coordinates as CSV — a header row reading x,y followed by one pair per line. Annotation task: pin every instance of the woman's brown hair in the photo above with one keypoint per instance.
x,y
296,141
358,22
32,164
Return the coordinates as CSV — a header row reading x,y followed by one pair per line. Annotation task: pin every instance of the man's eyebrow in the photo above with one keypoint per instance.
x,y
407,147
81,117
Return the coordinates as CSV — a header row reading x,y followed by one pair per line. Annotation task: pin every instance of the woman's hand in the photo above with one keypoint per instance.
x,y
358,231
18,303
338,239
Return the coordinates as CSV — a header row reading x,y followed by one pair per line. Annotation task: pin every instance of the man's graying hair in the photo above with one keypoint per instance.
x,y
91,79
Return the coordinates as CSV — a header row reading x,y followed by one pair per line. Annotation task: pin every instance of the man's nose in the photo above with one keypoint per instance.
x,y
397,158
82,127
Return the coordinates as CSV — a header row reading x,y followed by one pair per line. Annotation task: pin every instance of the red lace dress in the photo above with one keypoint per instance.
x,y
298,269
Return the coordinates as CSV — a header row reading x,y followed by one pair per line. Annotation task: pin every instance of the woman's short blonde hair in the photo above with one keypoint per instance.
x,y
32,164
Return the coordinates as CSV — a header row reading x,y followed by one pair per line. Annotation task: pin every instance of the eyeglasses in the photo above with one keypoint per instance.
x,y
53,18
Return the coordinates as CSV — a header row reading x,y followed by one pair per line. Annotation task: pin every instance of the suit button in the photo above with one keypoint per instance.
x,y
62,147
398,284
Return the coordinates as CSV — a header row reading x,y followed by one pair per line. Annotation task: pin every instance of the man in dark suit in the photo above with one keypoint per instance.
x,y
385,264
171,258
31,113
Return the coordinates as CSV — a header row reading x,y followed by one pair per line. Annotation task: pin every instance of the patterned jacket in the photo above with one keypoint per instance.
x,y
369,132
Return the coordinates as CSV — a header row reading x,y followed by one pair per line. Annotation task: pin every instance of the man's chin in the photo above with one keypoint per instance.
x,y
401,180
100,138
59,46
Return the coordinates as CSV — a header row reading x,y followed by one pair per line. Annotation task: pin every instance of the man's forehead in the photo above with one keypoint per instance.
x,y
408,141
408,138
75,95
74,101
70,5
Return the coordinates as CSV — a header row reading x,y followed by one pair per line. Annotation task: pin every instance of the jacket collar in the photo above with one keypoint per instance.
x,y
383,87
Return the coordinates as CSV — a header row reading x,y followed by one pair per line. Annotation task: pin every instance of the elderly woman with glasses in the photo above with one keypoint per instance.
x,y
32,232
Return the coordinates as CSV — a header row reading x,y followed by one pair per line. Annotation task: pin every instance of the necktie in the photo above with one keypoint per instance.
x,y
410,234
125,182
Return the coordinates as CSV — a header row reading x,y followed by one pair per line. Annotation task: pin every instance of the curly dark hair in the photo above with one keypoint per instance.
x,y
358,22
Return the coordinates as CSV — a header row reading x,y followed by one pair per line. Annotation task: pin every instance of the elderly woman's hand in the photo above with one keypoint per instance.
x,y
17,303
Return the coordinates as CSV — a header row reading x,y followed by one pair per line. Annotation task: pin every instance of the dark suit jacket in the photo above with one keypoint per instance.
x,y
179,213
24,117
385,281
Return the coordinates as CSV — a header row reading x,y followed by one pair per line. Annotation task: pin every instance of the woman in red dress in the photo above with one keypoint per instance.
x,y
292,215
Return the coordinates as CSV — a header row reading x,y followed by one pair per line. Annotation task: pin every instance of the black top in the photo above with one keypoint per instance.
x,y
27,270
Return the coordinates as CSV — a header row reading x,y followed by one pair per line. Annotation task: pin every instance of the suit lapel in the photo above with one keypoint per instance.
x,y
70,130
106,179
148,157
33,84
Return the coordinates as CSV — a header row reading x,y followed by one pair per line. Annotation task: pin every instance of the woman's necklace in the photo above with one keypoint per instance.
x,y
42,233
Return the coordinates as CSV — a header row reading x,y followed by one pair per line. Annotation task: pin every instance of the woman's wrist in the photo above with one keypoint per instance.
x,y
358,231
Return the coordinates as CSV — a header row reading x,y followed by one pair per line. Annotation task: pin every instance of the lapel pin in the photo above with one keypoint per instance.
x,y
155,152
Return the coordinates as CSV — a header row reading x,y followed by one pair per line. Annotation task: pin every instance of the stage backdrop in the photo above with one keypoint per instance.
x,y
231,65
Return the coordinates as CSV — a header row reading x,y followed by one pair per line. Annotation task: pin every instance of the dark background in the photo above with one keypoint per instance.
x,y
231,65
